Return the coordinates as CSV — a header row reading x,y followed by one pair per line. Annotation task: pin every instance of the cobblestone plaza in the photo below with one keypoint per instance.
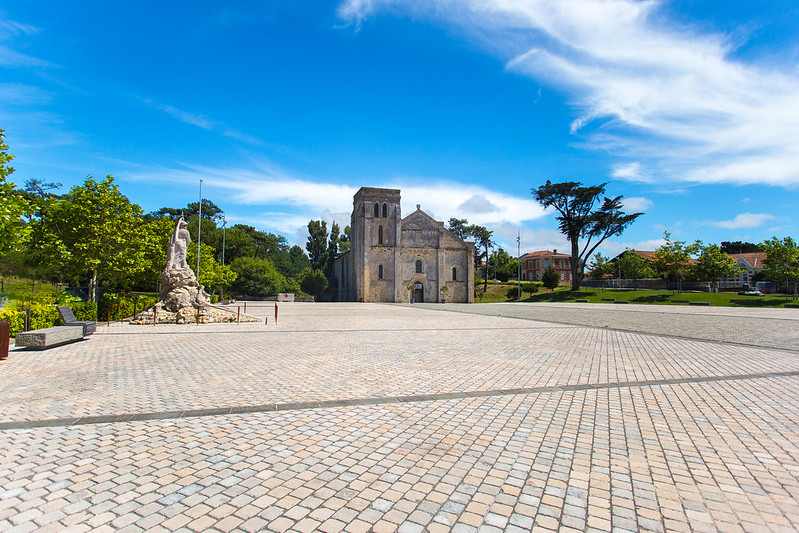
x,y
373,417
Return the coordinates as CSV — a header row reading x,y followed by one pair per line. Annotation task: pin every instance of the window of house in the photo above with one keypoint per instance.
x,y
377,209
379,271
418,266
562,277
380,235
546,263
385,210
454,274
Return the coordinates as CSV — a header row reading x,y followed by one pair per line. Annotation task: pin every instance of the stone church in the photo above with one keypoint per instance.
x,y
395,259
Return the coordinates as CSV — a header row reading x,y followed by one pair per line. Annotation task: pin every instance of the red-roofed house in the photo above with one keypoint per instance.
x,y
534,264
750,263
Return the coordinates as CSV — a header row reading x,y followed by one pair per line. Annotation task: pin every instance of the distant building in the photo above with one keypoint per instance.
x,y
534,264
394,259
750,264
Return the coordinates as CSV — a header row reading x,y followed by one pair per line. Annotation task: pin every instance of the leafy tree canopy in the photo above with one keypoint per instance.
x,y
13,205
738,247
96,229
579,218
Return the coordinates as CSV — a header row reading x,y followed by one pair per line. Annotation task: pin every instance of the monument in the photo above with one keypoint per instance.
x,y
182,299
180,289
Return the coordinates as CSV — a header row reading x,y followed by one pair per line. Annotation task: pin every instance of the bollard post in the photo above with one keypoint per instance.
x,y
5,333
155,316
108,322
245,307
238,314
276,313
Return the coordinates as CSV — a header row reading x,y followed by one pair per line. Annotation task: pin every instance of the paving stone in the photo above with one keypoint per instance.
x,y
402,418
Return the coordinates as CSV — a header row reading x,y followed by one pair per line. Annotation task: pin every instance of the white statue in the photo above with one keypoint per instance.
x,y
178,246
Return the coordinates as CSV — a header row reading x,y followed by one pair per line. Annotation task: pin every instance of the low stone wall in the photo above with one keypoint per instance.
x,y
209,315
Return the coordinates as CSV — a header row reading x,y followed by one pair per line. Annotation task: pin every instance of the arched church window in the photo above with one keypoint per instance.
x,y
379,271
385,210
377,209
454,274
418,266
380,235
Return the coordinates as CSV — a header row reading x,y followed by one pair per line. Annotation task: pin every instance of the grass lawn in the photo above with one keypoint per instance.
x,y
497,293
24,290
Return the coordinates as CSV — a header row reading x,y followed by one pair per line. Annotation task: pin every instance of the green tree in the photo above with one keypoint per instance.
x,y
482,237
212,272
579,218
550,278
317,244
313,282
631,265
459,226
256,277
503,265
782,262
738,247
332,248
600,267
673,258
13,206
712,264
96,229
344,241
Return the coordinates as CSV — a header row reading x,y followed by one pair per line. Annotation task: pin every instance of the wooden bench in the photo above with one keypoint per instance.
x,y
68,317
581,300
680,301
40,339
608,299
698,303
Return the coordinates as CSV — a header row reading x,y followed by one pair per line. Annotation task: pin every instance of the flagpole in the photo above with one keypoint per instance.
x,y
199,228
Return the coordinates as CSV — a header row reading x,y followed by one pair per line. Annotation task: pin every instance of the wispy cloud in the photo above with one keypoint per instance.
x,y
666,92
637,204
745,220
202,121
274,189
9,57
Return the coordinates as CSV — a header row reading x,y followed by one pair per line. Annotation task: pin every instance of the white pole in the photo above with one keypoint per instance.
x,y
519,262
199,228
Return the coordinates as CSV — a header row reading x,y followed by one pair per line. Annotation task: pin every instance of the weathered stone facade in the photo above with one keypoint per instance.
x,y
388,254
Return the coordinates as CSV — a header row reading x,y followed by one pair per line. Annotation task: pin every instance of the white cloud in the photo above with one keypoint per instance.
x,y
637,204
745,220
290,200
611,248
668,92
478,204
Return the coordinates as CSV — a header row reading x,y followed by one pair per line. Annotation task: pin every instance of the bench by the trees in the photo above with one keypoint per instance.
x,y
68,317
39,339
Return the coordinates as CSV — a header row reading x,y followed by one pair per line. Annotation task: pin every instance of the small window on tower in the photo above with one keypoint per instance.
x,y
385,210
380,235
377,209
418,266
454,274
379,271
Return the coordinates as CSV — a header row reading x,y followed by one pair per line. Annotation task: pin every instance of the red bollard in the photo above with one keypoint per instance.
x,y
5,333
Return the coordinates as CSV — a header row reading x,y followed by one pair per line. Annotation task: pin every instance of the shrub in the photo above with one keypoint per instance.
x,y
512,293
16,320
531,287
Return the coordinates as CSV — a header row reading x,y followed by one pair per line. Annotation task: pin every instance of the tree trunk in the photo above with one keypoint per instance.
x,y
93,286
575,265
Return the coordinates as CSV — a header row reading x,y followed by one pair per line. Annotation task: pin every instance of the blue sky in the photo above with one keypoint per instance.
x,y
689,109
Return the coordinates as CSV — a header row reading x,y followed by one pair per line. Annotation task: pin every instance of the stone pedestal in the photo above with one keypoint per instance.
x,y
180,290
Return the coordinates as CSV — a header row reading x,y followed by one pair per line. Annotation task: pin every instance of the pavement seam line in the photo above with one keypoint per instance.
x,y
322,404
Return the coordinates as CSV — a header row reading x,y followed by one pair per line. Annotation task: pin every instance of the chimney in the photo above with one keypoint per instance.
x,y
554,251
